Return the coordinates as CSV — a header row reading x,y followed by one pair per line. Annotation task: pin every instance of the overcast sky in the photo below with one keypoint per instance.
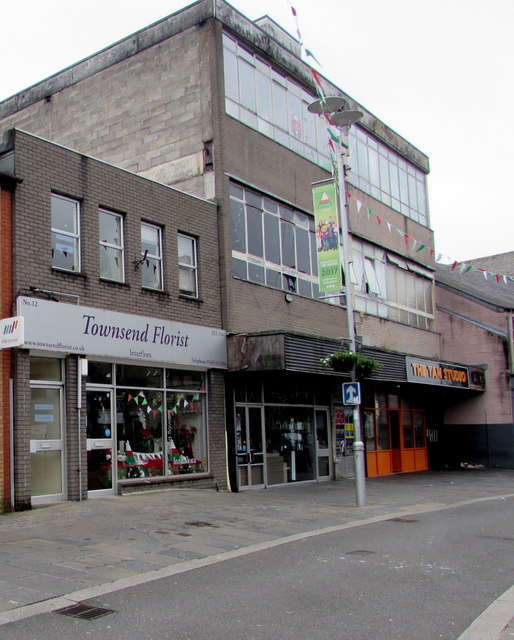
x,y
439,73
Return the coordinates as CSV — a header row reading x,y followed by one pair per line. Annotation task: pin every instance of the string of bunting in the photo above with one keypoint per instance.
x,y
418,247
333,133
334,138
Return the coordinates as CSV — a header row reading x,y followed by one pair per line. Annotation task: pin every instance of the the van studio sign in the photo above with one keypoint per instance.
x,y
438,373
54,326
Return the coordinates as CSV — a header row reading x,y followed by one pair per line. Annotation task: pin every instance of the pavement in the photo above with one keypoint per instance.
x,y
55,556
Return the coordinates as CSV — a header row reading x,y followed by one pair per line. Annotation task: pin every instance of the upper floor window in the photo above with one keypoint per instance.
x,y
151,256
187,265
65,233
391,287
261,97
111,245
386,176
273,243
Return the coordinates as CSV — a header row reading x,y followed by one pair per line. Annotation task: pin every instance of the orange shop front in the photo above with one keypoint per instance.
x,y
397,418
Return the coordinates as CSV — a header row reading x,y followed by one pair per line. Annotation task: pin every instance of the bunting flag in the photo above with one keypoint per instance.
x,y
334,139
439,258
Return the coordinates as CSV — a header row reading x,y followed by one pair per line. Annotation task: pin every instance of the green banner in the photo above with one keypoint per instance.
x,y
326,221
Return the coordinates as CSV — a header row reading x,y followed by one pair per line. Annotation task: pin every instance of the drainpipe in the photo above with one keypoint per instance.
x,y
81,371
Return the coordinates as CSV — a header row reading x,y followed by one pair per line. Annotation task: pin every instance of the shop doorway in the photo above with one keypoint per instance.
x,y
323,443
395,439
46,444
100,441
250,446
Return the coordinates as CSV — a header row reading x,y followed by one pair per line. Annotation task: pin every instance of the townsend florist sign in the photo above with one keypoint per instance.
x,y
60,327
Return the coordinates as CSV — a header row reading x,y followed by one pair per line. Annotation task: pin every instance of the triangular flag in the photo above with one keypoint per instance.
x,y
380,219
421,247
310,55
359,205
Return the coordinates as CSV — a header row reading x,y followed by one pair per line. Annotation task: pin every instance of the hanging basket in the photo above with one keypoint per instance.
x,y
345,361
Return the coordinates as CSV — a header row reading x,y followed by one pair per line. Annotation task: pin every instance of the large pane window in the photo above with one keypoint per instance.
x,y
65,233
151,256
273,243
111,245
185,433
187,265
264,99
160,421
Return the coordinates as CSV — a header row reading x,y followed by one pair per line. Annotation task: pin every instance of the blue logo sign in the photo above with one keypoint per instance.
x,y
351,393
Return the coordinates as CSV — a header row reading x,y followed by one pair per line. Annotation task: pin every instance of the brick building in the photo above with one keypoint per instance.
x,y
217,105
119,380
475,316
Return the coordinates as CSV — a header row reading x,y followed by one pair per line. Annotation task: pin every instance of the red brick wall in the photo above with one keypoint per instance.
x,y
6,294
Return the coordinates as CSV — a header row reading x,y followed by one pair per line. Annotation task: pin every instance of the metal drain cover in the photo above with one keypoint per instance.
x,y
84,611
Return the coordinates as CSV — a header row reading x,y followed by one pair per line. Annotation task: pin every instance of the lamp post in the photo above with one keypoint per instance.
x,y
343,119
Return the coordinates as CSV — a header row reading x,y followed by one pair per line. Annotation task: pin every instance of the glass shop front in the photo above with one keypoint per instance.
x,y
282,431
144,422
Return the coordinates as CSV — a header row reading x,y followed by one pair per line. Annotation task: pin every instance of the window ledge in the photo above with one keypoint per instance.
x,y
158,292
184,296
65,272
114,282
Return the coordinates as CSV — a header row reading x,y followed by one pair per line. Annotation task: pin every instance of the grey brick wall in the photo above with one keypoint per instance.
x,y
46,168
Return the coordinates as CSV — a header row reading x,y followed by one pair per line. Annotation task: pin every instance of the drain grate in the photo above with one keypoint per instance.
x,y
84,611
359,552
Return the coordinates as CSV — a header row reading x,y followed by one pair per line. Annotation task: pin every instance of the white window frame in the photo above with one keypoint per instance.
x,y
188,268
117,249
147,258
72,236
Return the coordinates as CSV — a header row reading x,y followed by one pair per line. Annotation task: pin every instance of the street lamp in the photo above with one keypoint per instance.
x,y
343,118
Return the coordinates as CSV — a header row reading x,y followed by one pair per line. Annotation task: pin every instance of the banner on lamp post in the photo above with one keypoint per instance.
x,y
326,221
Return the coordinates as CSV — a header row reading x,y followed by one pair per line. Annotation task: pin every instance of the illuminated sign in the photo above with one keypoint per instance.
x,y
439,373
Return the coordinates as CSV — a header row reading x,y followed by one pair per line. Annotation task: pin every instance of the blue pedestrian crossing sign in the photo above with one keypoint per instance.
x,y
351,393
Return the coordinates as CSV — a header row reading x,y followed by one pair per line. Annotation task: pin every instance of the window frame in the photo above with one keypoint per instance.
x,y
183,267
74,236
158,258
109,246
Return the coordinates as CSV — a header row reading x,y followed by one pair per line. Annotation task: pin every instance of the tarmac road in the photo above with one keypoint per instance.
x,y
102,548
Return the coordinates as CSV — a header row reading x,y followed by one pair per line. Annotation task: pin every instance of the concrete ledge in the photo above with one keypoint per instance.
x,y
198,481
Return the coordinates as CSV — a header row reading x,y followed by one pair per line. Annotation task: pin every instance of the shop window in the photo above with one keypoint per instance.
x,y
158,431
151,256
47,369
140,447
185,433
99,372
65,233
185,380
133,375
187,265
111,246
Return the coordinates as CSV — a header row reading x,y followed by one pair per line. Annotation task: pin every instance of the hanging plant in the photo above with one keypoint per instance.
x,y
346,360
